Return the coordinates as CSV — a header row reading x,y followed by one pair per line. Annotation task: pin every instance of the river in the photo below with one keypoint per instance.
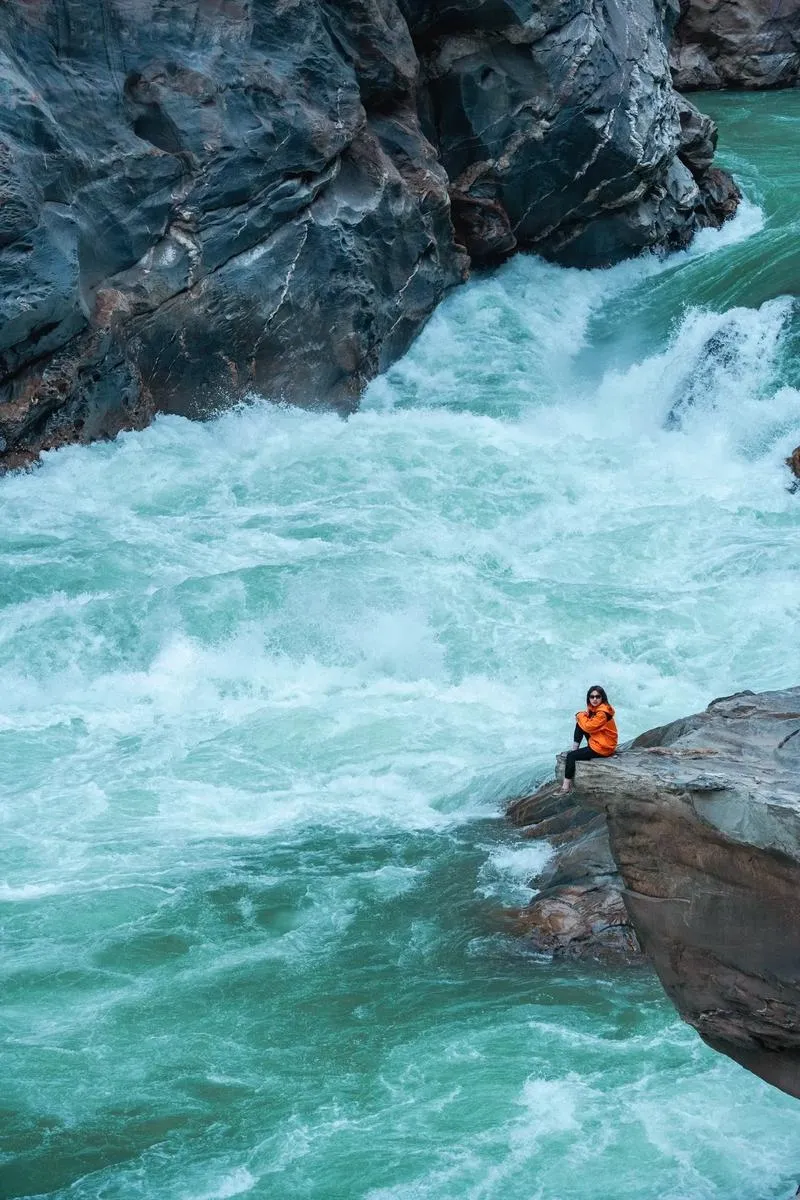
x,y
267,682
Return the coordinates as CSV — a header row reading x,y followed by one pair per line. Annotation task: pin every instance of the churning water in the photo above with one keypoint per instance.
x,y
266,683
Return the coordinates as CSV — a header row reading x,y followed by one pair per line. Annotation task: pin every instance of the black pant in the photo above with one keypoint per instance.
x,y
583,755
574,756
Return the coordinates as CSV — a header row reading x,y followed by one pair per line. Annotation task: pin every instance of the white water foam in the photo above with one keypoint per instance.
x,y
509,872
358,618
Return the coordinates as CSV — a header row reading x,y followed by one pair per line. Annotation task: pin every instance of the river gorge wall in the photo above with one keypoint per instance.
x,y
737,44
210,199
687,844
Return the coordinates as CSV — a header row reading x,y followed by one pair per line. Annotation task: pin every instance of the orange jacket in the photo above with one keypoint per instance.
x,y
598,724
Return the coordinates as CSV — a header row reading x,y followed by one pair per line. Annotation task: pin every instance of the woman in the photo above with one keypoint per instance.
x,y
597,725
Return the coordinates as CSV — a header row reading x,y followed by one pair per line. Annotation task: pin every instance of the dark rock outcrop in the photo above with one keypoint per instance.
x,y
201,199
703,819
209,198
561,115
793,463
578,911
737,44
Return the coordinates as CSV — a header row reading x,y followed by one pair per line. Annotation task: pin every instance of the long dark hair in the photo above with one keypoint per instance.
x,y
596,688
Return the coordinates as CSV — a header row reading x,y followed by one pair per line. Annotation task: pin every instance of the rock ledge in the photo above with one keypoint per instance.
x,y
702,818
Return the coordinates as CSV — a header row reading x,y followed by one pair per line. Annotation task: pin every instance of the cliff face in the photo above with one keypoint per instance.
x,y
205,198
703,820
559,128
737,44
211,197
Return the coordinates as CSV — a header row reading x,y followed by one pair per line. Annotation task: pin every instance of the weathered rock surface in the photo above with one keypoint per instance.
x,y
737,44
703,819
579,911
561,115
207,198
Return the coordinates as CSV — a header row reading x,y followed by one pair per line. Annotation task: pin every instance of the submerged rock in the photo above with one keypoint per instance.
x,y
204,201
737,44
703,821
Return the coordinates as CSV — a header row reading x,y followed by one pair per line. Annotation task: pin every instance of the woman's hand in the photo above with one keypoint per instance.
x,y
574,745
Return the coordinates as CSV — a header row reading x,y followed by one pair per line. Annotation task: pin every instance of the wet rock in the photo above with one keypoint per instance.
x,y
203,201
719,195
698,138
719,356
206,201
483,226
703,818
563,115
578,911
737,44
713,370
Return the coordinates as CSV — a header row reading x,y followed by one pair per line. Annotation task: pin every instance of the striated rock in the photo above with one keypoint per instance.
x,y
579,911
562,113
703,818
737,44
204,199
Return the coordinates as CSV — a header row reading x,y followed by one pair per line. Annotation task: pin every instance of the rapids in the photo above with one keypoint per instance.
x,y
267,682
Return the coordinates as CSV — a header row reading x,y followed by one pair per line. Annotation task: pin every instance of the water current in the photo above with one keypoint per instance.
x,y
266,683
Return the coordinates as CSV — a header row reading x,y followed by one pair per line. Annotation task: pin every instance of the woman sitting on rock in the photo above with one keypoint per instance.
x,y
596,724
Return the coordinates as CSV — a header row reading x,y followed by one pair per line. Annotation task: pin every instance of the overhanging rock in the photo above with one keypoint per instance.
x,y
703,821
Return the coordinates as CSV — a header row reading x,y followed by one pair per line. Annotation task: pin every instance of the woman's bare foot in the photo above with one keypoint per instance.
x,y
566,785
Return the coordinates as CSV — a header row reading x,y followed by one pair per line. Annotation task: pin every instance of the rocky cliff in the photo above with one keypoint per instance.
x,y
202,199
737,44
695,829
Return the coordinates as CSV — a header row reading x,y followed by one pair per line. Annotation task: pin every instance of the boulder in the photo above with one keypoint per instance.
x,y
205,200
793,463
737,44
703,820
562,115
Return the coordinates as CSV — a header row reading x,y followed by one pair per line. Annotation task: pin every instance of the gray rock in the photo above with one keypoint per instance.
x,y
205,201
562,115
737,43
703,818
578,911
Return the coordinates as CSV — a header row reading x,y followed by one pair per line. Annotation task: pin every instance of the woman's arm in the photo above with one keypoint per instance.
x,y
592,724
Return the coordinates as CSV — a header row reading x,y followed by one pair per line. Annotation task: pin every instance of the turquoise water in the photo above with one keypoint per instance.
x,y
267,683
